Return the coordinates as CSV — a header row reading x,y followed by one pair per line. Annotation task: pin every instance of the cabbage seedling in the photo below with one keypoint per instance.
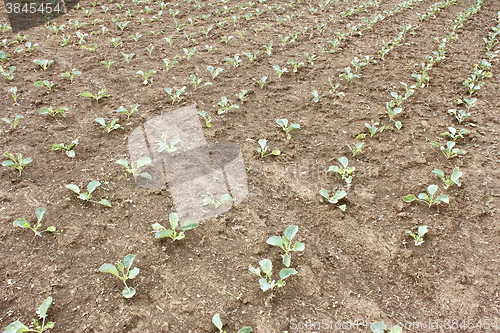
x,y
348,75
432,189
261,82
449,180
14,122
460,115
283,123
454,134
419,237
128,113
15,95
18,164
128,57
356,149
71,76
235,62
52,112
279,71
218,323
242,95
226,106
195,82
87,196
223,198
343,171
334,198
39,216
133,168
295,65
126,273
252,57
262,150
97,96
44,83
108,63
285,243
175,96
44,64
162,232
269,49
449,151
214,72
67,149
316,96
164,146
18,327
109,127
266,282
372,129
9,75
206,117
145,75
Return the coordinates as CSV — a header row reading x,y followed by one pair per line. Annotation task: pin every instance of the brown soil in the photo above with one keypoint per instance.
x,y
357,264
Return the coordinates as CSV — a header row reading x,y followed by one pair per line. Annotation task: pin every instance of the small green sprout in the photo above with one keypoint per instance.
x,y
283,123
128,57
97,96
175,96
45,83
242,95
108,63
391,110
235,62
460,115
39,216
145,75
252,56
113,124
44,64
449,151
126,273
295,65
419,237
115,41
372,129
214,72
266,282
67,149
454,134
18,327
14,122
280,71
87,196
449,180
15,95
128,113
18,164
356,149
9,75
206,117
334,198
226,106
162,232
218,323
380,327
225,39
189,53
285,243
71,76
134,168
223,198
269,49
195,82
164,146
432,189
348,75
262,150
62,111
343,170
316,96
261,82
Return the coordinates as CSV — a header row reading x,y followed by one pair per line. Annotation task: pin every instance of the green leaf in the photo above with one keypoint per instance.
x,y
145,175
324,193
22,223
123,163
189,225
246,329
51,229
396,329
343,161
275,241
39,213
164,233
101,121
109,268
128,292
410,198
439,173
333,168
254,270
342,207
174,220
423,196
120,267
286,272
157,226
73,188
225,197
133,273
298,247
267,266
87,94
42,310
70,153
105,203
217,322
8,163
443,198
129,259
143,161
287,260
92,186
16,327
264,285
422,230
432,189
338,195
378,327
291,231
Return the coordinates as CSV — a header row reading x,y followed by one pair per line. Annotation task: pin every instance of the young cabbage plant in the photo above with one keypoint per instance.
x,y
372,129
195,82
206,117
175,96
343,171
334,198
348,75
9,75
145,76
163,145
285,243
128,113
449,180
212,201
261,82
108,63
126,273
242,95
380,327
113,124
454,135
162,232
460,115
316,96
62,111
87,196
262,150
449,151
214,72
428,198
280,71
14,122
134,167
356,149
18,164
67,149
419,236
97,96
39,216
128,57
19,327
44,64
266,282
218,323
283,123
71,75
226,106
44,83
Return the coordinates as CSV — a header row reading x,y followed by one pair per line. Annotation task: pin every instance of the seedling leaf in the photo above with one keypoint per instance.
x,y
109,268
